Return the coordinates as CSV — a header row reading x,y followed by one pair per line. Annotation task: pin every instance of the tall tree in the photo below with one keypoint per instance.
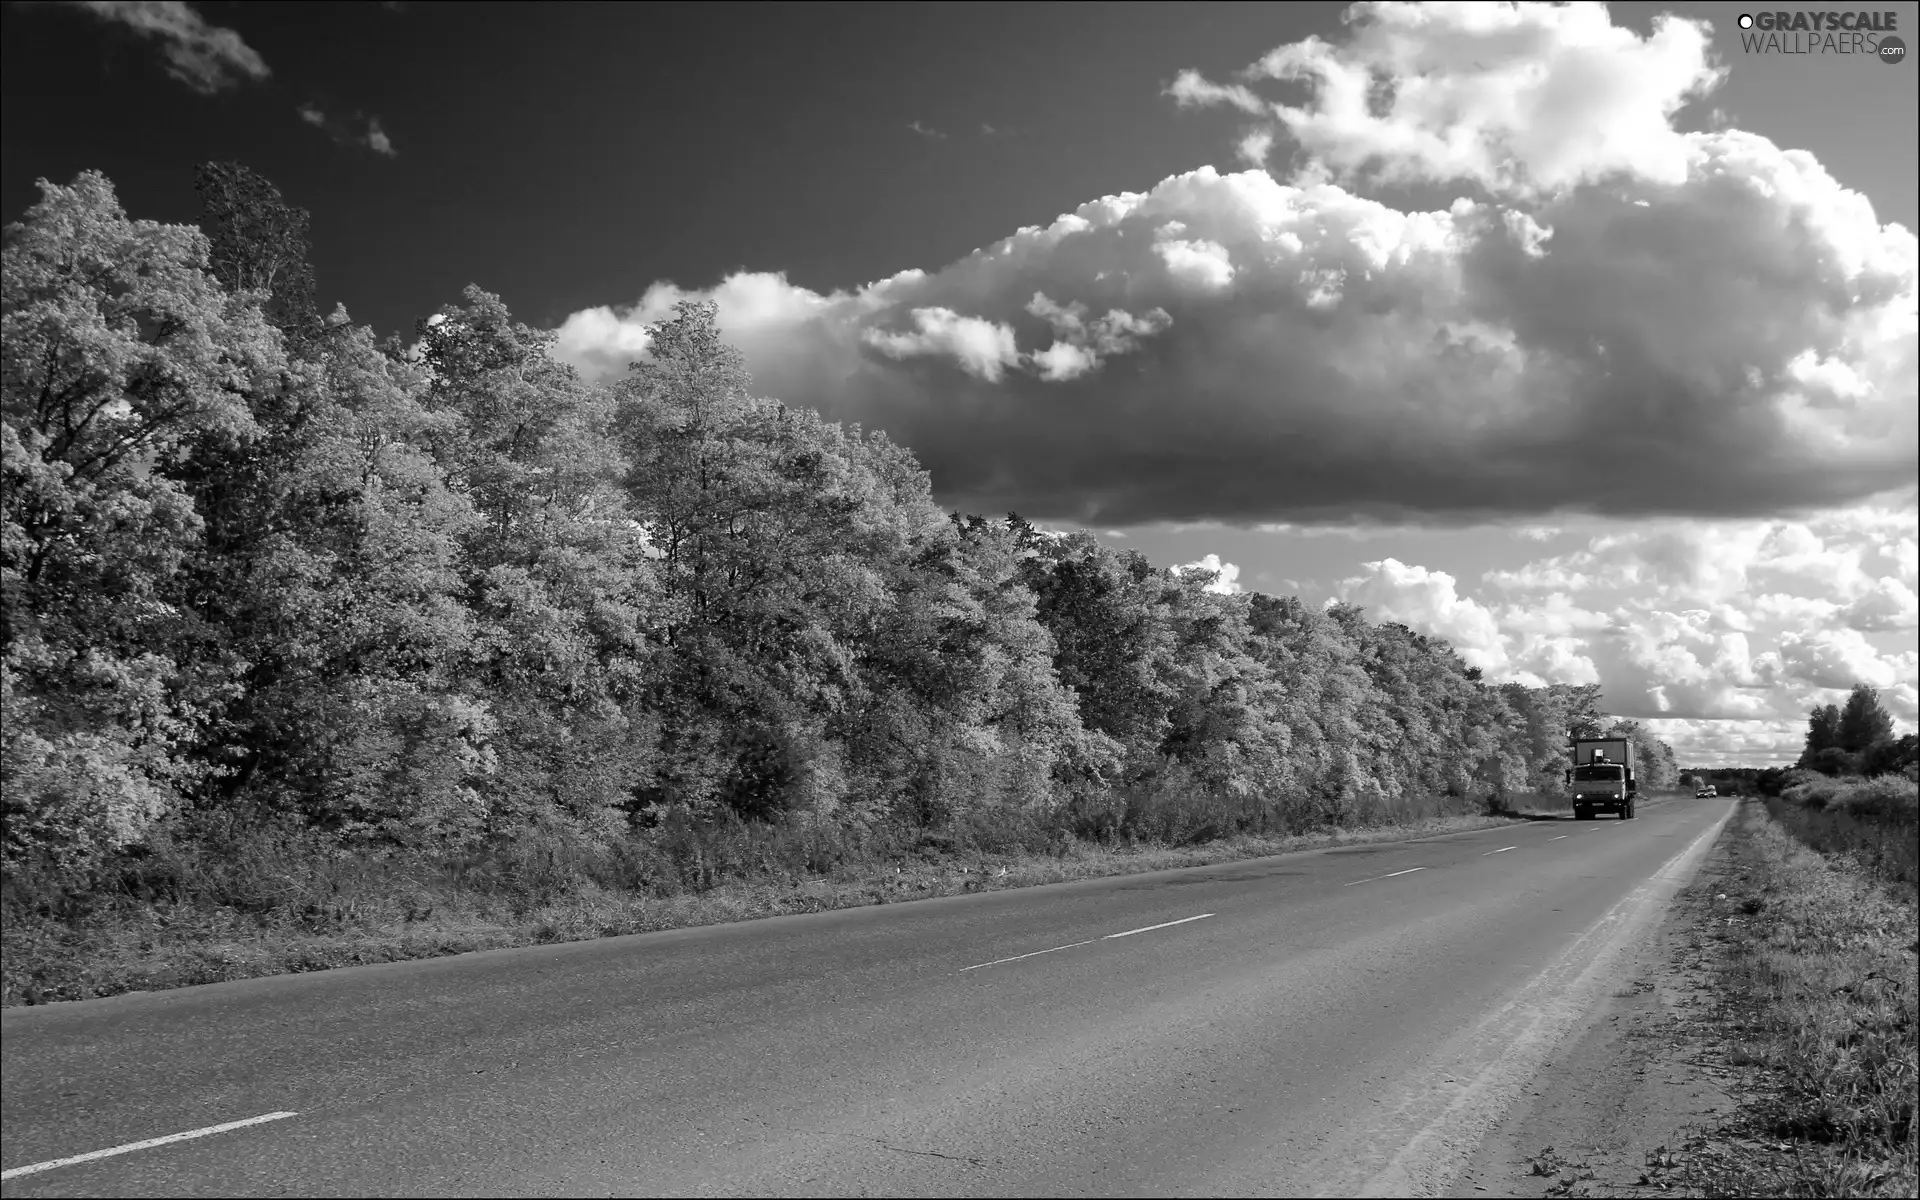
x,y
1864,721
259,244
122,356
555,568
1823,731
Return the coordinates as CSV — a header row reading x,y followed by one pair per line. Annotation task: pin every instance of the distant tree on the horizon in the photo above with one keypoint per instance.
x,y
1856,738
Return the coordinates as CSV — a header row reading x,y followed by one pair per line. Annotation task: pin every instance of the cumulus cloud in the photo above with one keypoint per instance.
x,y
1430,602
1853,560
359,130
1616,304
1721,621
1226,575
1840,658
1518,98
983,349
1731,743
207,58
1081,343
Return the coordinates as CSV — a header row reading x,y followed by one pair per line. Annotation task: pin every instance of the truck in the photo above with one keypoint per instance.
x,y
1601,778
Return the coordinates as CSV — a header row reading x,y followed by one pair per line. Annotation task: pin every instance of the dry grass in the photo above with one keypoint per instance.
x,y
1873,824
1816,995
269,905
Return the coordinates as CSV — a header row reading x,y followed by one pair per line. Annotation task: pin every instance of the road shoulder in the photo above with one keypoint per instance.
x,y
1603,1117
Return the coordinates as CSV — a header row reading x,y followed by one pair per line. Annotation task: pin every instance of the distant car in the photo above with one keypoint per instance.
x,y
1704,793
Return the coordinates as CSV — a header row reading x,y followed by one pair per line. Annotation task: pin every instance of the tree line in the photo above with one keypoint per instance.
x,y
1856,738
261,567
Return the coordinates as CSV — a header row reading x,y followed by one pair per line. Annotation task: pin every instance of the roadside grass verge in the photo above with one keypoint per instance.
x,y
1872,823
1815,1012
204,909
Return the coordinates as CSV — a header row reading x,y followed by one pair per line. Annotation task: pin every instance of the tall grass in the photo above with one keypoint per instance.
x,y
1874,823
1816,1003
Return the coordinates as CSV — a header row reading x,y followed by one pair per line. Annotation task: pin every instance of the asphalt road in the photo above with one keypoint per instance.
x,y
1333,1022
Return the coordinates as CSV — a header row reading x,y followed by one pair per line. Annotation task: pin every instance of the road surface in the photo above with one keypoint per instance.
x,y
1335,1022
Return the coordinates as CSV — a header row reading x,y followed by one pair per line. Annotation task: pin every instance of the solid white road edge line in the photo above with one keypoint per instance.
x,y
1161,925
1358,882
150,1143
1419,1144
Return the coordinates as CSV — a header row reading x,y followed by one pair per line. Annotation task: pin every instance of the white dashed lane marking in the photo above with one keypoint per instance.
x,y
1088,942
1408,871
150,1143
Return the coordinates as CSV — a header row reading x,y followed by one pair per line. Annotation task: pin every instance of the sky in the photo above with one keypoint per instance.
x,y
1584,337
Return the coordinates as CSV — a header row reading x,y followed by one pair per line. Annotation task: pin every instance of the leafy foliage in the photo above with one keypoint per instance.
x,y
263,573
1856,739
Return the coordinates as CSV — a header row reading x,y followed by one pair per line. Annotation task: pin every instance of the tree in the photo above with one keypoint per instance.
x,y
354,622
1891,757
1823,731
258,244
123,358
555,569
1864,722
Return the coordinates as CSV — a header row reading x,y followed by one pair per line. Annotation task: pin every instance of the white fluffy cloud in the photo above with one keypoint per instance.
x,y
1226,575
1731,743
1428,601
1850,566
1613,305
207,58
983,349
1742,621
1519,98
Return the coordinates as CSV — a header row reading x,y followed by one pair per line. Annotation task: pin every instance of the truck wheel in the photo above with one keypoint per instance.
x,y
1582,814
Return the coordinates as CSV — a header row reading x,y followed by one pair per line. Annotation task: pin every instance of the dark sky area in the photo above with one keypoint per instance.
x,y
567,155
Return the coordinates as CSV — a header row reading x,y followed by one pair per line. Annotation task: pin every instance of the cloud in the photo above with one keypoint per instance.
x,y
207,58
1326,357
358,130
1518,98
1852,559
983,349
926,131
1840,658
1741,620
1254,147
1080,343
1732,743
1428,601
1226,575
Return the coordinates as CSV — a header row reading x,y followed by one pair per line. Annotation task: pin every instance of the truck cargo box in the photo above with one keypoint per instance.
x,y
1613,750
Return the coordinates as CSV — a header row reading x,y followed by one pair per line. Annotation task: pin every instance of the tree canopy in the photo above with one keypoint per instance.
x,y
432,594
